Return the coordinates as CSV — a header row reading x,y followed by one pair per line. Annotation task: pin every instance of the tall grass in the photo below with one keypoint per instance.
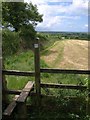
x,y
23,61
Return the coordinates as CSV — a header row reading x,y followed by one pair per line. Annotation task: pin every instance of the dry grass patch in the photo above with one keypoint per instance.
x,y
68,54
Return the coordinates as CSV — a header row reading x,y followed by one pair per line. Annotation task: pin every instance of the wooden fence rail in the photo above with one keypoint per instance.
x,y
63,86
13,92
18,73
46,70
63,71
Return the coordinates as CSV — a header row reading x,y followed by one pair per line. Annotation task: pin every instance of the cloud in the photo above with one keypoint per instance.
x,y
56,14
77,6
50,21
86,25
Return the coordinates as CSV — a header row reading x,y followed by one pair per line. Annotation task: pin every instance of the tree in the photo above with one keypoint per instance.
x,y
23,17
27,35
18,14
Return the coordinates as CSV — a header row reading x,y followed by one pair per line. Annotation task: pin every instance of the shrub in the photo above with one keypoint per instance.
x,y
10,42
28,35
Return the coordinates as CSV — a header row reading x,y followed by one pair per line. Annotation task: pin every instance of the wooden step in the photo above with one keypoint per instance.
x,y
25,92
19,98
8,111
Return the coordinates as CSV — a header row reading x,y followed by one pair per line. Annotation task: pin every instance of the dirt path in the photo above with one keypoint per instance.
x,y
69,54
53,54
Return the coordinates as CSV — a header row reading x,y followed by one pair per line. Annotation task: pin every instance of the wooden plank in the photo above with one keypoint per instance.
x,y
10,108
63,71
8,111
63,86
18,73
25,92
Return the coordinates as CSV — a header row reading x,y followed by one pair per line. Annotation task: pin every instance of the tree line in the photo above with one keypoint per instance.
x,y
67,35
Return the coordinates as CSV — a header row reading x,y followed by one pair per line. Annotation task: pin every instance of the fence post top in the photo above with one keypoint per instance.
x,y
36,44
37,38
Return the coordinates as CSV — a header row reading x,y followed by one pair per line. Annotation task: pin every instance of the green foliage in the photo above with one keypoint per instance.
x,y
57,108
23,17
15,62
10,43
18,14
28,35
42,37
43,40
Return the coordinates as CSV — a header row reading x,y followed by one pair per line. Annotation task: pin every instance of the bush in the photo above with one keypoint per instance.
x,y
28,35
10,42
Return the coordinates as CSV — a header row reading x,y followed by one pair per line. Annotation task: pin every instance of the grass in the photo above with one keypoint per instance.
x,y
23,62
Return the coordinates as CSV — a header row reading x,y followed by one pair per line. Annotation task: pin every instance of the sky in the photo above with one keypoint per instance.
x,y
62,15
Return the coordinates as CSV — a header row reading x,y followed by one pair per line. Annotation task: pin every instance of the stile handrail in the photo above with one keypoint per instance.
x,y
18,73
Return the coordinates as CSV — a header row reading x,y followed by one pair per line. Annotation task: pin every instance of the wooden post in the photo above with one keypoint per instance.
x,y
5,99
0,88
22,111
88,98
88,88
37,70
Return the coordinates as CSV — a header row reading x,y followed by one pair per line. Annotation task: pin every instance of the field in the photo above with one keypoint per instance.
x,y
67,54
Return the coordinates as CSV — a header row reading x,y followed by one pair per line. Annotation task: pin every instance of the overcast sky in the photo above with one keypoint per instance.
x,y
62,15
